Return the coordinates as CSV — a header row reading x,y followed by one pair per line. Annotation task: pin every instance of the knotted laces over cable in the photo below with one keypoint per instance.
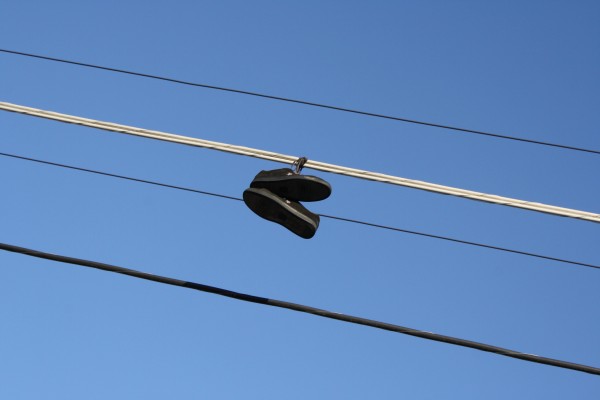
x,y
299,164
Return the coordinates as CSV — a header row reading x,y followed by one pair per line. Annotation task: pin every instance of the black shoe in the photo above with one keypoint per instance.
x,y
287,213
285,183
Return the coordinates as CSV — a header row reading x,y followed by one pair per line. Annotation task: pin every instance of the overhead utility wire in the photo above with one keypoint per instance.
x,y
317,165
307,103
302,308
354,221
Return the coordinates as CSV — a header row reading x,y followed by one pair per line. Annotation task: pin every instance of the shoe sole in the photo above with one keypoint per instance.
x,y
295,187
273,208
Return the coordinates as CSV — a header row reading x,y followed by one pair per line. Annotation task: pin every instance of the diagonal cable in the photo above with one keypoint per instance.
x,y
305,309
304,102
333,217
317,165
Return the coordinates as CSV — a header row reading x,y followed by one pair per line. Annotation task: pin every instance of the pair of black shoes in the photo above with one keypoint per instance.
x,y
275,195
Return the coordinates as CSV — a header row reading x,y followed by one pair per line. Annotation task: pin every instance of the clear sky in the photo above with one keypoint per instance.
x,y
522,68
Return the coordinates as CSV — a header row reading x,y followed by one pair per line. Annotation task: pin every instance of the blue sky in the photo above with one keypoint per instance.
x,y
528,69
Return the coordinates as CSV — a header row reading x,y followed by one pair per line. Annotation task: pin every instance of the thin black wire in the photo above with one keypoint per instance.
x,y
302,308
487,246
307,103
354,221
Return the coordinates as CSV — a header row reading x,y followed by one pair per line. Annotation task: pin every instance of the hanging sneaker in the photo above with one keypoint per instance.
x,y
285,183
290,214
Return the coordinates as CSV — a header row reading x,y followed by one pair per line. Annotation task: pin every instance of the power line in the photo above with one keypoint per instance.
x,y
317,165
128,178
302,308
486,246
303,102
354,221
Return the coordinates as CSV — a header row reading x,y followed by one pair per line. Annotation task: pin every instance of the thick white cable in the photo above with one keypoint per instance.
x,y
282,158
